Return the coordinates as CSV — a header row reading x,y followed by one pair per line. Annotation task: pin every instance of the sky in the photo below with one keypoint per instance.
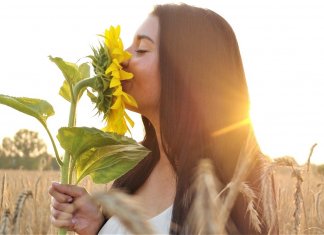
x,y
281,44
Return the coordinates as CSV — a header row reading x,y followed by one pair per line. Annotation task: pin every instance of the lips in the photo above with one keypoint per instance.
x,y
125,84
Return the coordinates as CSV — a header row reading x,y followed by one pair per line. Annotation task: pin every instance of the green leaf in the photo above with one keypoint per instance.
x,y
108,163
77,140
104,156
65,91
72,74
39,109
70,70
92,97
84,70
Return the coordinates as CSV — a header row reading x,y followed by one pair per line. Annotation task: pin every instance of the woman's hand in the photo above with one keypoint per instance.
x,y
73,209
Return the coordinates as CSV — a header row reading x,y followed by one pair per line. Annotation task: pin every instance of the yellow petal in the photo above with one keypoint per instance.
x,y
114,82
112,67
128,99
117,51
127,55
118,91
129,120
125,75
116,123
117,31
117,104
116,74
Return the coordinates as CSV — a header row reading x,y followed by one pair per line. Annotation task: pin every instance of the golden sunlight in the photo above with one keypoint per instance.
x,y
288,126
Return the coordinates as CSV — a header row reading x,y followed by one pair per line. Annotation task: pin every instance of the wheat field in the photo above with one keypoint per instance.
x,y
35,216
300,201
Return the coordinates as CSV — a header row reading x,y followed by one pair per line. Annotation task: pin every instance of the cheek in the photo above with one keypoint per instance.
x,y
145,86
147,89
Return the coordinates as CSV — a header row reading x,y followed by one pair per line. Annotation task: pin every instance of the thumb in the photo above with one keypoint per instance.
x,y
68,189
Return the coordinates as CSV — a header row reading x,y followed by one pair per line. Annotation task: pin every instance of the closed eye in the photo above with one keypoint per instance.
x,y
139,51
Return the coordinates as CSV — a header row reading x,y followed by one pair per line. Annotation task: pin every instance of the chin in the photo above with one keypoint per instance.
x,y
133,109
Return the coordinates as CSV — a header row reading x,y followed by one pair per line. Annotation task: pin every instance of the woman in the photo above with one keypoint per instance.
x,y
189,84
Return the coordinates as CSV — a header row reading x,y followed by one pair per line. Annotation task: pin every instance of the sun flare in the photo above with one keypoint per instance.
x,y
288,126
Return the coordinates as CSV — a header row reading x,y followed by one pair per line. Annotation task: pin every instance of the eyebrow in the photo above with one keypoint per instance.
x,y
142,36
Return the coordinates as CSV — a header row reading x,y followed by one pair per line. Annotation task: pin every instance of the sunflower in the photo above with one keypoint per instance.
x,y
111,99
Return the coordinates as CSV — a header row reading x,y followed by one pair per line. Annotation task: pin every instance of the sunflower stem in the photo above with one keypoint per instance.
x,y
58,159
77,89
65,168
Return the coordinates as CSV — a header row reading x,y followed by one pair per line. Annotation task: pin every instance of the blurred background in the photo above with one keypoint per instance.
x,y
281,44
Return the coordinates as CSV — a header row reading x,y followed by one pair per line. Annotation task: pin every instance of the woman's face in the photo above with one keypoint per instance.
x,y
144,64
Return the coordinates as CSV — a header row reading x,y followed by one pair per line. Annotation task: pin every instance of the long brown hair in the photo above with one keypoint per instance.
x,y
203,91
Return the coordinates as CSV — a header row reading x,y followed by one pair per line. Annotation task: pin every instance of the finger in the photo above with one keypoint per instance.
x,y
65,207
60,215
71,190
66,224
60,197
83,202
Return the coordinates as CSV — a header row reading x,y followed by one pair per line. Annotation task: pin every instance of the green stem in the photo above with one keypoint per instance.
x,y
89,82
59,161
72,164
67,167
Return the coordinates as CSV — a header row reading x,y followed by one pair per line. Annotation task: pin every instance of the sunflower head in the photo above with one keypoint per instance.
x,y
111,99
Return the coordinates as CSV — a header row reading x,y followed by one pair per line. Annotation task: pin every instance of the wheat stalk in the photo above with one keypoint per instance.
x,y
3,189
203,212
310,155
5,222
284,161
245,161
250,196
317,206
298,198
267,194
18,210
125,208
35,196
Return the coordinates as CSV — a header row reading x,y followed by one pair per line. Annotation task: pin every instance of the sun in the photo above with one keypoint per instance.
x,y
288,126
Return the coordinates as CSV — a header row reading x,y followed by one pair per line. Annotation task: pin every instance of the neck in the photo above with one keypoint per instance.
x,y
158,191
156,124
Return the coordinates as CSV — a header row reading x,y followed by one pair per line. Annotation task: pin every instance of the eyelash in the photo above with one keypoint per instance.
x,y
140,51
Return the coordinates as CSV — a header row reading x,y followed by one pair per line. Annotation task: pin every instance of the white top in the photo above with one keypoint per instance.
x,y
160,223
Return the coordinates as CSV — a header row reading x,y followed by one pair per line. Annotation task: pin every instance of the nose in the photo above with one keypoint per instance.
x,y
125,63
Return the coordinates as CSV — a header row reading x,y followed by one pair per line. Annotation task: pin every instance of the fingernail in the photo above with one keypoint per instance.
x,y
73,221
70,199
55,183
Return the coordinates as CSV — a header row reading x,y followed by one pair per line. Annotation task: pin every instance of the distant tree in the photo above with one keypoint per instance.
x,y
28,144
25,151
8,148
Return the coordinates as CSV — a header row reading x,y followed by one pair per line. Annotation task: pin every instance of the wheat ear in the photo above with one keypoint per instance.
x,y
245,161
5,222
267,195
18,210
298,198
250,196
310,155
126,210
203,212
